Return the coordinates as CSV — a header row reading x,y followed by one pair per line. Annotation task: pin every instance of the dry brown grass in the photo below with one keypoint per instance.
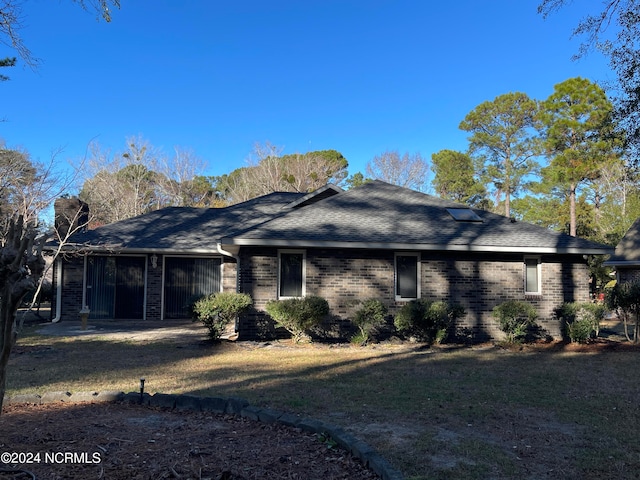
x,y
552,411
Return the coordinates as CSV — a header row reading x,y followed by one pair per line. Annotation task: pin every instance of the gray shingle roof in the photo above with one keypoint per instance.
x,y
182,228
380,215
375,215
628,249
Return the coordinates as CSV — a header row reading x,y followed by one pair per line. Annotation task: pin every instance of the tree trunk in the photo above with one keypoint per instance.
x,y
572,212
8,336
625,322
21,267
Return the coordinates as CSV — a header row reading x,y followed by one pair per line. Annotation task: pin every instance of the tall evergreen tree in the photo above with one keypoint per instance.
x,y
578,139
455,178
503,137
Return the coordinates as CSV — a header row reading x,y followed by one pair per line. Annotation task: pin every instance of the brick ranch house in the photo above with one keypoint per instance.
x,y
375,241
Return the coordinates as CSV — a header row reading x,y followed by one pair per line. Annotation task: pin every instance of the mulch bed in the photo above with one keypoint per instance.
x,y
121,441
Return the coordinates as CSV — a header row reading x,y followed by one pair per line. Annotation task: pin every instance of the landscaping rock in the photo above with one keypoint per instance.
x,y
163,400
51,397
188,402
213,404
235,405
24,398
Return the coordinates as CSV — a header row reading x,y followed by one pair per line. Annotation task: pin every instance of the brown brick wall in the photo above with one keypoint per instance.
x,y
153,299
72,281
344,277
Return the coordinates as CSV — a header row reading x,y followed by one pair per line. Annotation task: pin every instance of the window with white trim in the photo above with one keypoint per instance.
x,y
291,273
532,276
407,276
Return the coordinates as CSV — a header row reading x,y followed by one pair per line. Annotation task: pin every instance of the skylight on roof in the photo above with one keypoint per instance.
x,y
464,215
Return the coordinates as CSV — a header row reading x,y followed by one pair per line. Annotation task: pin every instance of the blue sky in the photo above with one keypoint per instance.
x,y
360,77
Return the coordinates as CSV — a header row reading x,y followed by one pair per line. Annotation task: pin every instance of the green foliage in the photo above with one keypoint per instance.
x,y
326,439
516,319
427,320
455,178
503,137
6,62
215,311
355,180
581,320
625,299
620,48
298,315
578,138
367,318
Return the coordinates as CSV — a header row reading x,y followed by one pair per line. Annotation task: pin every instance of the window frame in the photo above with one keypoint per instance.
x,y
303,288
527,260
396,277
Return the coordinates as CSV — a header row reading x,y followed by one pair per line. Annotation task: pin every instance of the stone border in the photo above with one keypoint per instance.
x,y
224,406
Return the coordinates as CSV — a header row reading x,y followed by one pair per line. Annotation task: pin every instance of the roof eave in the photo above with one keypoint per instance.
x,y
248,242
118,249
622,263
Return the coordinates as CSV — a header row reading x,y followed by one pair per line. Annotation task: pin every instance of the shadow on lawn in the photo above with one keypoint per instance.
x,y
468,412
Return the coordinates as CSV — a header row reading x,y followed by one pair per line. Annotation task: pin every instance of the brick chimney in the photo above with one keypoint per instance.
x,y
71,214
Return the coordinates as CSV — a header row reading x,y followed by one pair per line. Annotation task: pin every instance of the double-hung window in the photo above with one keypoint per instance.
x,y
532,276
407,276
291,273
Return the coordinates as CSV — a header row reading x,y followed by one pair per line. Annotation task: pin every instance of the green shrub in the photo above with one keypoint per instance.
x,y
581,321
428,320
624,298
367,318
217,310
298,315
516,319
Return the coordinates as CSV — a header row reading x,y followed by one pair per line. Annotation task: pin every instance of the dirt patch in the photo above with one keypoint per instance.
x,y
117,441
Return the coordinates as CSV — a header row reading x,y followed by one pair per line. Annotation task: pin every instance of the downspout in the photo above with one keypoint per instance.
x,y
226,253
58,269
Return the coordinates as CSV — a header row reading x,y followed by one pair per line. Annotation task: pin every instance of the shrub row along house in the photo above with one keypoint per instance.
x,y
375,241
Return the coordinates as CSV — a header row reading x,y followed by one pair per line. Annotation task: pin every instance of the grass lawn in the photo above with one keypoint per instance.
x,y
481,412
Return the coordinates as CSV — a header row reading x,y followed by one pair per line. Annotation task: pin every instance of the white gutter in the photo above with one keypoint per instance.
x,y
418,246
56,319
235,256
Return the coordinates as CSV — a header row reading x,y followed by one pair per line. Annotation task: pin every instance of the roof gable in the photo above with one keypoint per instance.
x,y
627,251
329,190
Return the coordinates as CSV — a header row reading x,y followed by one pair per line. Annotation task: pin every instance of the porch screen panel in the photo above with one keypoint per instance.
x,y
101,286
129,287
186,280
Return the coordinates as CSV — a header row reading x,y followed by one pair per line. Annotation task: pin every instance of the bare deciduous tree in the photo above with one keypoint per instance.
x,y
269,171
177,179
410,171
12,20
138,180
